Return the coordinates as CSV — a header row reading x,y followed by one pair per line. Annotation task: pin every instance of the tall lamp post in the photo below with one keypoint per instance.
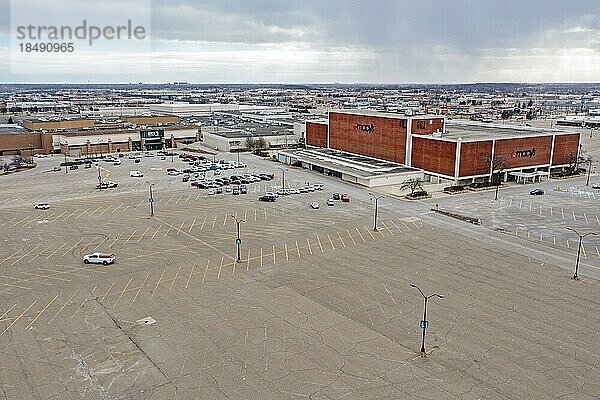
x,y
589,170
151,199
376,209
424,323
581,236
238,240
283,178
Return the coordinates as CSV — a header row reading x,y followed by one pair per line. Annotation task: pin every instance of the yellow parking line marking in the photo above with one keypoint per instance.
x,y
586,219
123,291
59,215
551,212
220,268
71,249
386,227
203,222
180,197
40,313
83,212
157,229
90,242
273,254
117,238
129,238
583,251
541,237
168,229
141,287
233,265
106,209
83,302
174,279
55,251
529,206
261,257
190,276
297,249
248,262
188,198
350,236
158,282
574,219
7,311
320,245
70,215
198,196
205,271
540,209
554,239
369,232
44,276
255,211
64,305
116,208
597,220
406,226
528,234
360,234
330,242
214,222
33,219
39,254
8,222
191,226
597,251
568,243
24,255
266,214
18,318
341,240
107,291
92,213
142,235
225,219
168,201
286,252
562,212
180,226
245,215
11,256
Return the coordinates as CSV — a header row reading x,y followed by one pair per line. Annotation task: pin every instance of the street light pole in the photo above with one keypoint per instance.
x,y
238,240
424,322
376,209
151,199
283,178
66,167
581,236
589,161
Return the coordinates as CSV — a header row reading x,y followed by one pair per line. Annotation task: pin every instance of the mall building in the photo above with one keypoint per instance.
x,y
452,152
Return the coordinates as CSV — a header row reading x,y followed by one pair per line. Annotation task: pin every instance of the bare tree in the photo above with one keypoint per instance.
x,y
497,165
412,184
261,144
250,143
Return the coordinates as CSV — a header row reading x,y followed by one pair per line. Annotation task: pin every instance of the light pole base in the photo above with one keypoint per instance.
x,y
422,354
575,277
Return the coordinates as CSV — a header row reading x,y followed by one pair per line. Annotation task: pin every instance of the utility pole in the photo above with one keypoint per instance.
x,y
589,170
283,178
66,167
424,323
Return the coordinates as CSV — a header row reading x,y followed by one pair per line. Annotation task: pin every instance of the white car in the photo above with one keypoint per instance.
x,y
330,202
99,258
136,174
173,173
42,206
314,205
210,192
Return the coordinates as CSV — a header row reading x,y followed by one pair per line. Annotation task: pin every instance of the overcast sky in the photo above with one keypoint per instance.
x,y
375,41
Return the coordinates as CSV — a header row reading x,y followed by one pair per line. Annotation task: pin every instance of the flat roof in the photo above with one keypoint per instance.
x,y
469,130
350,163
244,133
13,128
382,114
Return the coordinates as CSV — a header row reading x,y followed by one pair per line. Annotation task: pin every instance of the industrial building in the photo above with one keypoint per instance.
x,y
447,151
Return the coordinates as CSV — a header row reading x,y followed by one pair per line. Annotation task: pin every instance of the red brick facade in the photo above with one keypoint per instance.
x,y
427,126
524,152
433,155
565,149
472,158
372,136
316,134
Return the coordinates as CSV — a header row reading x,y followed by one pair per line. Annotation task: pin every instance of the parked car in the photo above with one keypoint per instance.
x,y
99,258
319,186
236,191
136,174
346,197
186,178
596,186
107,185
219,190
56,169
243,189
73,167
266,197
330,202
87,166
536,192
210,192
42,206
336,196
314,205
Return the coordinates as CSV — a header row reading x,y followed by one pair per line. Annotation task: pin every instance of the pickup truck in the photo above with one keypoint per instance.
x,y
99,258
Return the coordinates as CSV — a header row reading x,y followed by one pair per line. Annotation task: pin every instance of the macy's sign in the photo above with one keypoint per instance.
x,y
523,153
364,128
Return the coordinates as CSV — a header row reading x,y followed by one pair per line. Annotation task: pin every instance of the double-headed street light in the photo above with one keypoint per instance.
x,y
376,209
581,236
238,240
283,178
151,199
424,323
